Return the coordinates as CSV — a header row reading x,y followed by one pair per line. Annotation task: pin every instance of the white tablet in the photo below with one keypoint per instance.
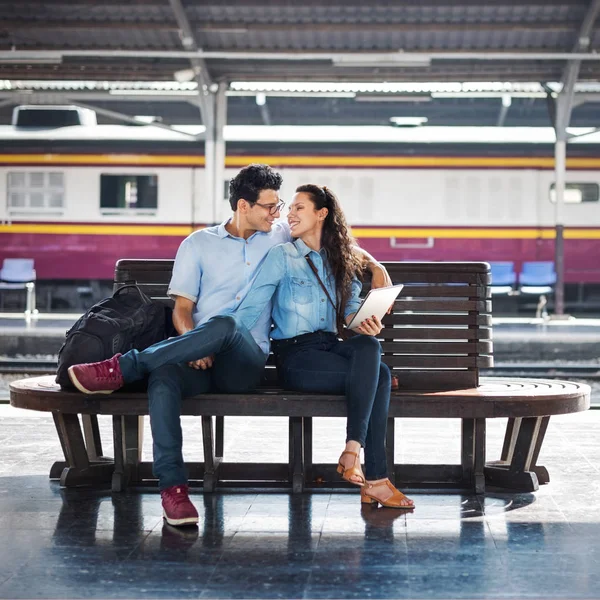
x,y
376,303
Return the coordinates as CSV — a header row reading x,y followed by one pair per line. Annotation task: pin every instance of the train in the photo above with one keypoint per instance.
x,y
78,198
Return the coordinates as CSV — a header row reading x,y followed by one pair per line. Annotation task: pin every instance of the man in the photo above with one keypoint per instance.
x,y
212,272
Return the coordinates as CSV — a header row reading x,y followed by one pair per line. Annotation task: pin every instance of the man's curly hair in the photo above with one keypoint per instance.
x,y
344,262
250,181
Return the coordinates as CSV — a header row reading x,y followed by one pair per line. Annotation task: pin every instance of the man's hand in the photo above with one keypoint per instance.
x,y
202,363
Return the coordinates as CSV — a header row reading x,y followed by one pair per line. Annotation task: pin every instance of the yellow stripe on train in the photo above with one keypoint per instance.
x,y
359,232
300,161
48,228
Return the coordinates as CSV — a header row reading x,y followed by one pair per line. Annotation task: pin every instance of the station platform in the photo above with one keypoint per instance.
x,y
515,339
89,543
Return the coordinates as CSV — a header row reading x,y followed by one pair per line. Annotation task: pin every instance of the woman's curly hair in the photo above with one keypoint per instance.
x,y
344,261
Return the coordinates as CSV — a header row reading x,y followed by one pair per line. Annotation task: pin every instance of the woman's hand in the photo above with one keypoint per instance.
x,y
370,326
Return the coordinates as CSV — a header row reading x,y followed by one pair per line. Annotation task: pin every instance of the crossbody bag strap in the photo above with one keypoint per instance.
x,y
314,270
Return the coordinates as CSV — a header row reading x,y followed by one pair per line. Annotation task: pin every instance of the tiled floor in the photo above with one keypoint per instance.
x,y
83,543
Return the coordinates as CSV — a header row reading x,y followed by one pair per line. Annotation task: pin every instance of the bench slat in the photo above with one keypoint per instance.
x,y
441,319
433,333
438,348
435,291
450,362
402,304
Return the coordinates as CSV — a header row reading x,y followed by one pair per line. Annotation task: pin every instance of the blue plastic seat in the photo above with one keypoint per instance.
x,y
19,273
17,270
503,273
538,278
504,277
540,273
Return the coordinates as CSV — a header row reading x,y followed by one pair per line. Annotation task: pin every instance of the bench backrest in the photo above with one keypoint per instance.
x,y
438,337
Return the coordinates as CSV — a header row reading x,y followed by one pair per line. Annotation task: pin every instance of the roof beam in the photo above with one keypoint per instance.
x,y
402,58
246,27
293,3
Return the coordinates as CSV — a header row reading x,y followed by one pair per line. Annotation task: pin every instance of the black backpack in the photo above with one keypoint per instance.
x,y
126,320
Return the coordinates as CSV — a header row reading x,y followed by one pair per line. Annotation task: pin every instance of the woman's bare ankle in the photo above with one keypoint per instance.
x,y
352,446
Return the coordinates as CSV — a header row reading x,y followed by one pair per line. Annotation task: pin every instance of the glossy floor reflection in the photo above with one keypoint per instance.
x,y
84,543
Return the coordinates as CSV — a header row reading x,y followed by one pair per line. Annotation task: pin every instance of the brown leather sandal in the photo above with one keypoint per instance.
x,y
353,471
394,501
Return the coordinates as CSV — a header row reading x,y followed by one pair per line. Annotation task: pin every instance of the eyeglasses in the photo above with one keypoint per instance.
x,y
272,208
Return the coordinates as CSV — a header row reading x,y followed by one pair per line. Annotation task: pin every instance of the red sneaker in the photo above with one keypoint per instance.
x,y
102,377
177,507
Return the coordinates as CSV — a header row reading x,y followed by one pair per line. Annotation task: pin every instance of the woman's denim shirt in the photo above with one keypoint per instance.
x,y
299,302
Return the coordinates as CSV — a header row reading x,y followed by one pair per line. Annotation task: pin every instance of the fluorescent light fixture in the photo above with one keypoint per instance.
x,y
388,59
261,99
487,95
25,58
147,118
391,98
408,121
164,93
297,94
184,75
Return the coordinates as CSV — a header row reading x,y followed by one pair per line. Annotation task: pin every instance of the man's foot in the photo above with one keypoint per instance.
x,y
177,508
383,492
102,377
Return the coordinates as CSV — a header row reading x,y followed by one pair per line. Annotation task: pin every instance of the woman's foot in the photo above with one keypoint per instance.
x,y
349,464
383,492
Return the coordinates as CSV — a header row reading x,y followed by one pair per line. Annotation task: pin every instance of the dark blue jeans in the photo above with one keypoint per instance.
x,y
319,362
238,367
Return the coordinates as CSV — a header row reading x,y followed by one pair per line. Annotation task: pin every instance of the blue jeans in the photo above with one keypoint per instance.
x,y
319,362
238,367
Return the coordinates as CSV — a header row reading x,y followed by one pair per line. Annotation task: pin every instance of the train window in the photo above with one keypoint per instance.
x,y
34,192
128,193
575,193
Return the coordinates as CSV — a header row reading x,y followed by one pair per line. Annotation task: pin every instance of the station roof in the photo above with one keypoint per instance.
x,y
310,41
226,31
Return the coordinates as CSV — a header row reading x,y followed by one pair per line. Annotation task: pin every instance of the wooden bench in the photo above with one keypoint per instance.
x,y
436,341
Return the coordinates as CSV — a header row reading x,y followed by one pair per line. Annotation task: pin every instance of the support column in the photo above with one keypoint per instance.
x,y
560,167
214,151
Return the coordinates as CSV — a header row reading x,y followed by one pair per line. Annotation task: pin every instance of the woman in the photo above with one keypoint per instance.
x,y
314,286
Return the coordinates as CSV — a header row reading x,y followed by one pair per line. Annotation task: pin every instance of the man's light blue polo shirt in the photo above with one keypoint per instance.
x,y
214,269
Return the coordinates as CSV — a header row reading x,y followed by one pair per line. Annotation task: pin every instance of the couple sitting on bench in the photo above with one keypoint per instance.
x,y
228,282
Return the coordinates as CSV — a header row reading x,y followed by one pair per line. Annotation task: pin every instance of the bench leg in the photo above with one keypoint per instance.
x,y
479,457
307,424
522,444
473,454
78,470
211,462
219,436
119,478
296,453
91,433
128,433
390,448
541,472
